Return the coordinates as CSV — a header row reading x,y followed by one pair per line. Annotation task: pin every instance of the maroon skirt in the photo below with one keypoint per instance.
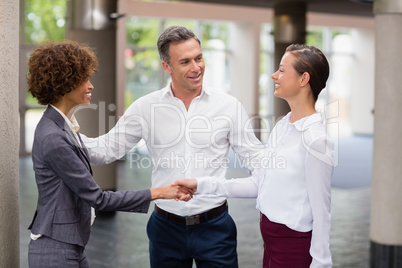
x,y
284,247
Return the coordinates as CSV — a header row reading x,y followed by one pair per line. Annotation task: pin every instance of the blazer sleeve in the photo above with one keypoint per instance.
x,y
63,157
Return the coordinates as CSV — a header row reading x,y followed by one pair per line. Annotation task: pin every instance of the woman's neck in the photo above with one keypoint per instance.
x,y
301,109
65,109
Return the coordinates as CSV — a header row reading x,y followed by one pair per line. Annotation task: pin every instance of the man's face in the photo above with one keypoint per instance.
x,y
186,66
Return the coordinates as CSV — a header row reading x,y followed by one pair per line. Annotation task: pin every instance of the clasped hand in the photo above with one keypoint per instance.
x,y
182,190
186,187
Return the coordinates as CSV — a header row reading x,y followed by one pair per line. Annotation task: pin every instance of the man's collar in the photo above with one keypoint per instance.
x,y
168,91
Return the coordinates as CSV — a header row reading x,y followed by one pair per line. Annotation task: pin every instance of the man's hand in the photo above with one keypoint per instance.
x,y
188,183
176,192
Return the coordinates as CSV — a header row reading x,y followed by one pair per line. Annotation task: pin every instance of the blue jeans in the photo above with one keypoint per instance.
x,y
211,243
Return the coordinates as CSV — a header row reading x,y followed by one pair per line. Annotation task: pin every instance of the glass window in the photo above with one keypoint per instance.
x,y
44,20
214,39
141,58
337,45
40,21
190,24
266,70
314,37
32,117
266,83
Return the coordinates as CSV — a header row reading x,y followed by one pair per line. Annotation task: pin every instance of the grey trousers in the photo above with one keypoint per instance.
x,y
48,253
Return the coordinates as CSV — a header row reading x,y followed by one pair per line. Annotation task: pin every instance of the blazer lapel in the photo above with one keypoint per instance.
x,y
59,120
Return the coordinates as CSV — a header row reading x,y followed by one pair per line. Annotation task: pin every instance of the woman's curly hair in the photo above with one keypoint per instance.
x,y
58,68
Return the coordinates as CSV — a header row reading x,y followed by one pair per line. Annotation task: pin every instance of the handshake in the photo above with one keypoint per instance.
x,y
182,190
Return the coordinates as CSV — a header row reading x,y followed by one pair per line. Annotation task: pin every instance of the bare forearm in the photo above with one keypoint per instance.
x,y
157,193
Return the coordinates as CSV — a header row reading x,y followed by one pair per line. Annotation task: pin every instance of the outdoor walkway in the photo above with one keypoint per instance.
x,y
120,241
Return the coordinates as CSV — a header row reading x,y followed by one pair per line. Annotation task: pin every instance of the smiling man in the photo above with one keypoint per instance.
x,y
186,66
188,129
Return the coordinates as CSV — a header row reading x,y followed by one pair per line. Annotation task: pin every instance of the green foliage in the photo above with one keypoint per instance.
x,y
190,24
142,32
214,30
141,57
314,37
337,31
31,101
44,20
128,99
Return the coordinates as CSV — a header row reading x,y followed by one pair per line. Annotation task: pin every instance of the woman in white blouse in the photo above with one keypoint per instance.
x,y
293,185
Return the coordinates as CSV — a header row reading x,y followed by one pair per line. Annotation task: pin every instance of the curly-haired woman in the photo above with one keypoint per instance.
x,y
59,76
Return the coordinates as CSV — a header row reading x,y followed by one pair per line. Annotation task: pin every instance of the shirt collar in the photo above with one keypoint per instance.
x,y
167,91
73,124
305,122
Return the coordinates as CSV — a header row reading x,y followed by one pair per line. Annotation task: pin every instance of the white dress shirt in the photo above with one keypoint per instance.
x,y
294,185
182,143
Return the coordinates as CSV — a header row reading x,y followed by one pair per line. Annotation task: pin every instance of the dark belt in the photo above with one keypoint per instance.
x,y
195,219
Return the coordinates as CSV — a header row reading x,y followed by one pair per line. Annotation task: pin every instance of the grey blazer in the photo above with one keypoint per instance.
x,y
67,190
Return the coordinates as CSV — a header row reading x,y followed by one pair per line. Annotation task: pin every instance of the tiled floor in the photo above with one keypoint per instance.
x,y
120,240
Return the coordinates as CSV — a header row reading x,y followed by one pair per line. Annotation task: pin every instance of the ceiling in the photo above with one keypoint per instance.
x,y
345,7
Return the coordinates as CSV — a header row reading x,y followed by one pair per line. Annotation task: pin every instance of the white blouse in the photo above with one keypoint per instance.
x,y
293,187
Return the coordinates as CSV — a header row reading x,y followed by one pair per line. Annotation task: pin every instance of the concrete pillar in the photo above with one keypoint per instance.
x,y
244,67
90,23
289,28
386,200
9,211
